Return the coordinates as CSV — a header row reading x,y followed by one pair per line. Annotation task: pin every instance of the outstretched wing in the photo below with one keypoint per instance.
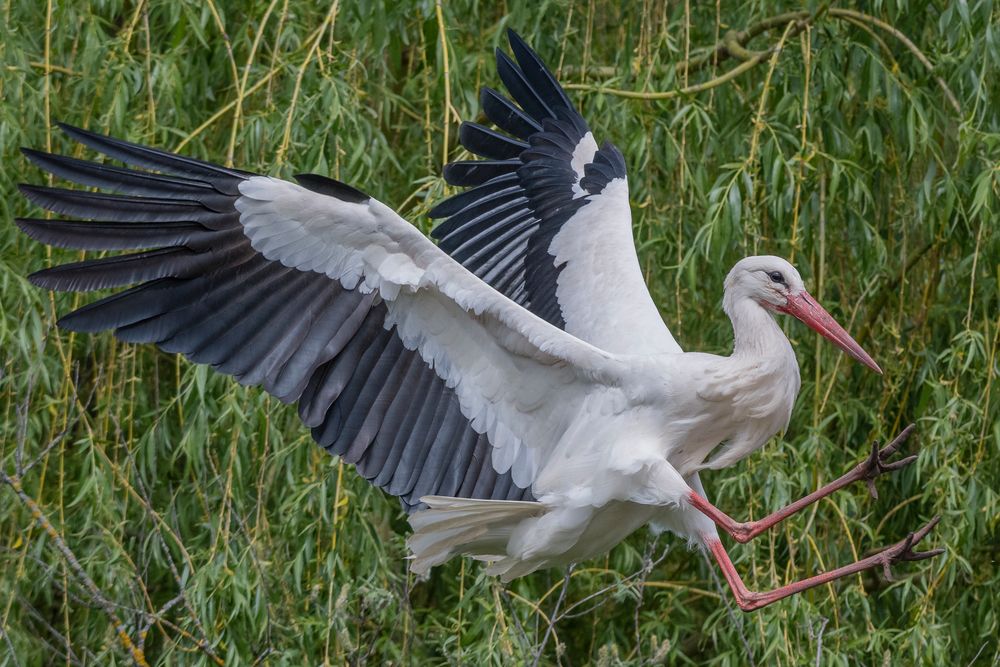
x,y
326,297
546,219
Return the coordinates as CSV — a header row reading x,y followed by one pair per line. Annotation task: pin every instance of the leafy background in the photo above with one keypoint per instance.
x,y
153,511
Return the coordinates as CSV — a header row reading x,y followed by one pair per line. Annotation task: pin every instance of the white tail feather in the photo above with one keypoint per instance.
x,y
452,526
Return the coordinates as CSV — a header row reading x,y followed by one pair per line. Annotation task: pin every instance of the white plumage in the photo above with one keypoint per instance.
x,y
601,437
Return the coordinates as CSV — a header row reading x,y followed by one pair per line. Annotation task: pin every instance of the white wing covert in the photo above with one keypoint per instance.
x,y
518,379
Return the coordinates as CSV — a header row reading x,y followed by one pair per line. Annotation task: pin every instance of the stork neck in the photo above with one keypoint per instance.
x,y
756,332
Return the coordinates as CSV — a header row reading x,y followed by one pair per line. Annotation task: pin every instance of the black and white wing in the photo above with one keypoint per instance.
x,y
401,361
546,219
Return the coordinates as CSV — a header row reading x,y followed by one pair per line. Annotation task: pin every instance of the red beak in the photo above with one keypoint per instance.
x,y
804,307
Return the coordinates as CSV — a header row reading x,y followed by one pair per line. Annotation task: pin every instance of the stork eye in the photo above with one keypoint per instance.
x,y
776,277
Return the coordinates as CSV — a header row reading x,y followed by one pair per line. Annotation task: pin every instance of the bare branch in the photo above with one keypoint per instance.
x,y
134,651
569,613
819,638
554,616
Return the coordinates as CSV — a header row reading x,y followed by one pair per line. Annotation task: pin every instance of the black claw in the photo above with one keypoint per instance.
x,y
902,463
924,555
920,534
897,441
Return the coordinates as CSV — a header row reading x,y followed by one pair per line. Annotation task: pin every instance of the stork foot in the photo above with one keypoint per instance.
x,y
749,600
878,462
903,551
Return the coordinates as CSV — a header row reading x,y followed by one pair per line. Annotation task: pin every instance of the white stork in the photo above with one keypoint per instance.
x,y
514,385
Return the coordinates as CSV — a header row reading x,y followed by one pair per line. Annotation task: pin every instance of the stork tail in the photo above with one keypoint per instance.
x,y
453,526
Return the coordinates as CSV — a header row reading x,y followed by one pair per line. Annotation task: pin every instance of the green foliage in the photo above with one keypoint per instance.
x,y
213,529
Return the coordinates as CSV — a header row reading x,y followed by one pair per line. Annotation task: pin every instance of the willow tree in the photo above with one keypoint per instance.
x,y
156,512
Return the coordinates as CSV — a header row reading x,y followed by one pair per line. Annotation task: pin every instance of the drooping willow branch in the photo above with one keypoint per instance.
x,y
733,45
907,42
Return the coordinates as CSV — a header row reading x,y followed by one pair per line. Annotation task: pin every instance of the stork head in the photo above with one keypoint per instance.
x,y
775,285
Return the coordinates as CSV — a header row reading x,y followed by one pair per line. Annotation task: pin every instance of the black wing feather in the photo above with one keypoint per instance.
x,y
489,143
200,289
548,130
505,115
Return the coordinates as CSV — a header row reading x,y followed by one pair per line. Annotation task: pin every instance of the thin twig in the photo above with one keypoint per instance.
x,y
819,638
147,617
554,616
21,470
882,296
525,640
446,73
266,79
49,67
142,493
46,449
286,139
234,70
241,84
569,613
62,649
10,647
22,426
647,567
152,619
979,653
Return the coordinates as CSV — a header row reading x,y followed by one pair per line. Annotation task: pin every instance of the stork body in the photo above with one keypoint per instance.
x,y
514,385
648,441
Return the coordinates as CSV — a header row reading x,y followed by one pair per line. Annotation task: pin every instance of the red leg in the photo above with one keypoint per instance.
x,y
749,600
876,464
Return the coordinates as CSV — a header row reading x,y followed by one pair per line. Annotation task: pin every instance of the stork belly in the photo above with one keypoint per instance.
x,y
718,441
687,449
609,525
